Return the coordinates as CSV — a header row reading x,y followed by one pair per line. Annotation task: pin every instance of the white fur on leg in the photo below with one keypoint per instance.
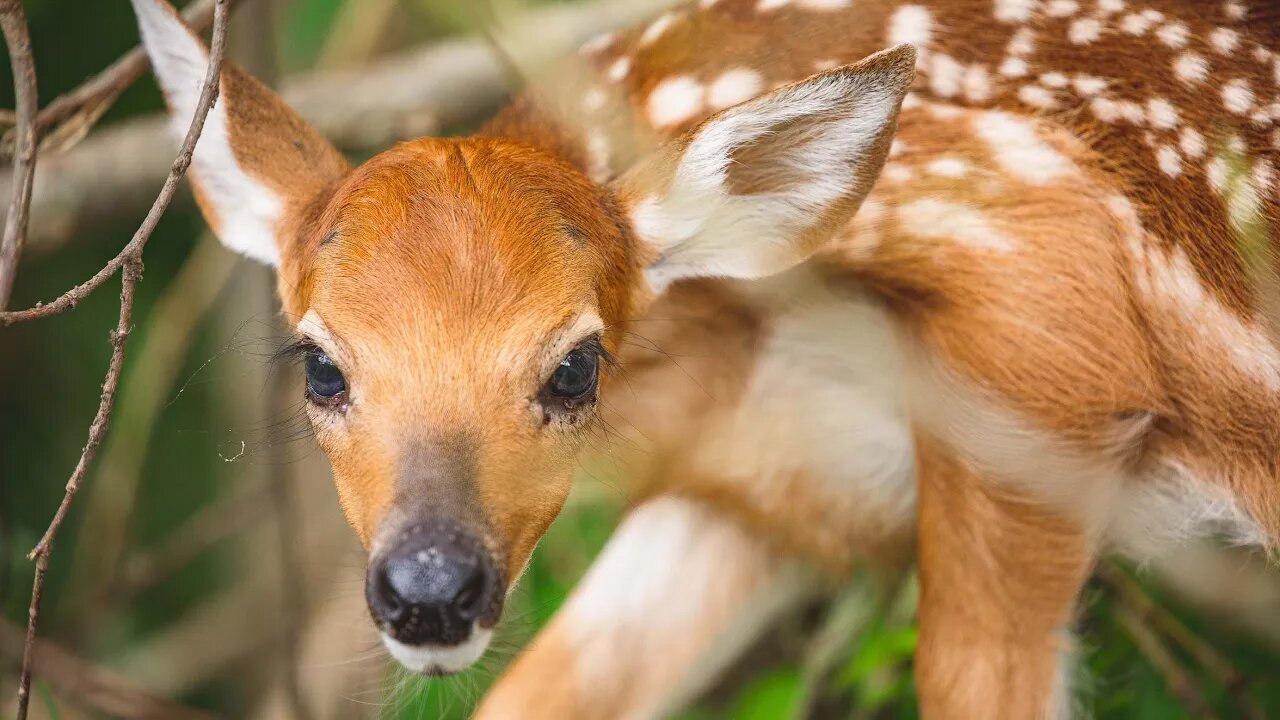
x,y
246,210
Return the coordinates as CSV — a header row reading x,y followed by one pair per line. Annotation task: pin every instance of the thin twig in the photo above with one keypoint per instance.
x,y
14,23
1235,682
96,94
130,261
72,297
1176,678
148,385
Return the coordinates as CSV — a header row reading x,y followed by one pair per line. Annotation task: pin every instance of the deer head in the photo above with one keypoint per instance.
x,y
457,300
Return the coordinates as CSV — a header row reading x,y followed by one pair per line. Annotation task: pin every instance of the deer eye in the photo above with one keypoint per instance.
x,y
324,380
576,376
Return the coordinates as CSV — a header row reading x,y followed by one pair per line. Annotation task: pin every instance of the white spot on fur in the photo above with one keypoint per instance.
x,y
825,64
1190,68
734,86
1037,97
1062,8
657,29
1085,31
1224,40
1135,24
897,147
1169,160
1192,143
1088,85
824,5
597,44
911,24
1105,109
1014,67
1264,176
897,173
1162,113
1216,171
619,69
941,219
1018,148
1234,10
946,76
675,100
1131,111
1174,35
1023,43
949,167
977,84
1015,11
769,5
1237,97
1054,79
1110,7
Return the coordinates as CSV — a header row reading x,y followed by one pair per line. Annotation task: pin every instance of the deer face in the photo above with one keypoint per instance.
x,y
456,316
456,301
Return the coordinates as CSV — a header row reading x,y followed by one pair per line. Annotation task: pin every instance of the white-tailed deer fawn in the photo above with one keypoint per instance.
x,y
1037,340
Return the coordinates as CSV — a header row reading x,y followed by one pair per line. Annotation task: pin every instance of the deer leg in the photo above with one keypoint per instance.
x,y
677,587
999,578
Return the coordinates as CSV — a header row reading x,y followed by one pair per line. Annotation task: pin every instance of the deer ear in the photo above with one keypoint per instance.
x,y
759,187
257,166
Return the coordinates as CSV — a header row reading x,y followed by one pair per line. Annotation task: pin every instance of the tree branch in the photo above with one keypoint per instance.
x,y
77,111
13,21
130,262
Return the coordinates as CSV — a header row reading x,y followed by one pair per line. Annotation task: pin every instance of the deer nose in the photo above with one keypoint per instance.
x,y
431,588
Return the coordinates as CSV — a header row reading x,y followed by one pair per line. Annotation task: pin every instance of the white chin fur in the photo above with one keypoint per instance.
x,y
434,659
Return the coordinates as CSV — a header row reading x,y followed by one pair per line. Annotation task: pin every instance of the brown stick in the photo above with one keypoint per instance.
x,y
130,261
1234,681
97,93
72,297
1176,678
14,23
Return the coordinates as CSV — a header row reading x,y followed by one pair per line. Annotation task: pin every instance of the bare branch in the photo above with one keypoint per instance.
x,y
78,110
1147,610
133,251
1176,678
130,262
13,20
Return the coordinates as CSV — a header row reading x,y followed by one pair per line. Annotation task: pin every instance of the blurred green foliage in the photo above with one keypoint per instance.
x,y
49,377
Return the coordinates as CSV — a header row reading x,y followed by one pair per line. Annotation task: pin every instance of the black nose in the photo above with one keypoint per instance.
x,y
432,587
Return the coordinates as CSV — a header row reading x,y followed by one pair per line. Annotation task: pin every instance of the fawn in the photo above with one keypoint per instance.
x,y
986,296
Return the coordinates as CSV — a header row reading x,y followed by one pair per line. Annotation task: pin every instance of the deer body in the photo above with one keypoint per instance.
x,y
1037,340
